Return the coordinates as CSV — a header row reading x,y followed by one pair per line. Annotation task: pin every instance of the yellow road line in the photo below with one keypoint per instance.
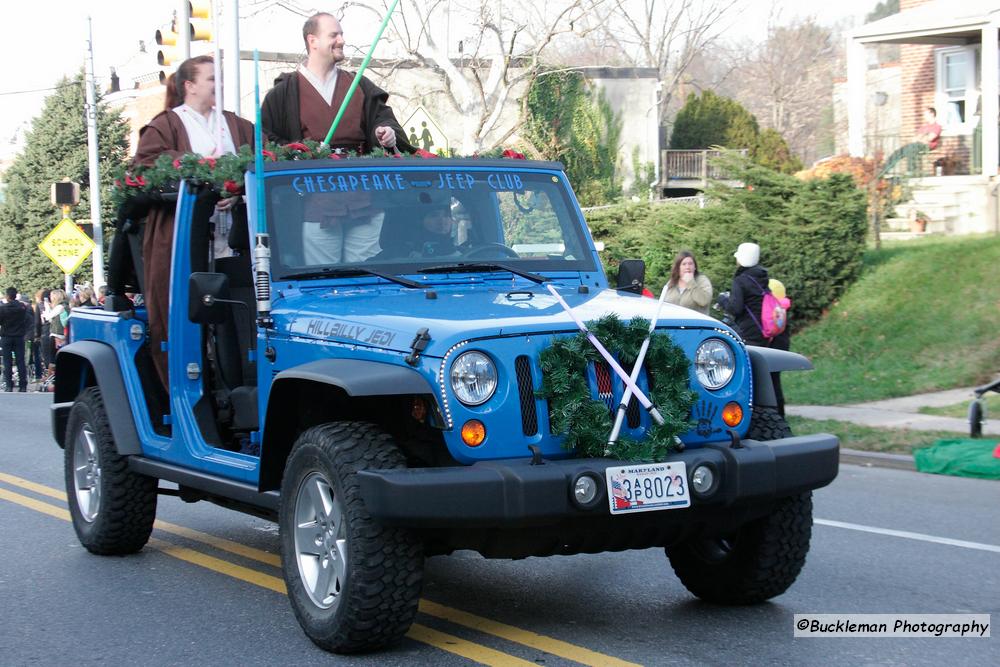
x,y
233,570
420,633
457,616
520,636
466,649
195,535
36,505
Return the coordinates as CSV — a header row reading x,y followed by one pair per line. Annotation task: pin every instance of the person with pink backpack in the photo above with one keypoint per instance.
x,y
760,312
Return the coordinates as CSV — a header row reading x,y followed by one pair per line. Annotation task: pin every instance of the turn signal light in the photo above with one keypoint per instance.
x,y
732,414
473,433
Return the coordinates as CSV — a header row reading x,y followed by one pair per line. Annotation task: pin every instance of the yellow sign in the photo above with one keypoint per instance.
x,y
423,132
67,245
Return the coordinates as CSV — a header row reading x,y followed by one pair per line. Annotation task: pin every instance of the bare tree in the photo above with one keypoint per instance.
x,y
501,44
664,35
787,82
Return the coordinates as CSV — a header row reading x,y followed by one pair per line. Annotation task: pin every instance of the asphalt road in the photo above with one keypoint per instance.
x,y
208,589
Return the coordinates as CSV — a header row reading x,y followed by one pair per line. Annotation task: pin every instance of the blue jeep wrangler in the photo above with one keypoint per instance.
x,y
388,409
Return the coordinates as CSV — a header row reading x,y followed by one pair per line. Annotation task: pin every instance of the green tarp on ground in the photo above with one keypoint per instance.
x,y
962,457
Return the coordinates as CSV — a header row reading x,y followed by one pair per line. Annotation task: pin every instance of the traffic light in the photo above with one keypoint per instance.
x,y
169,53
200,12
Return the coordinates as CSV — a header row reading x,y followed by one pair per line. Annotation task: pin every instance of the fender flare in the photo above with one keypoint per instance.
x,y
767,360
356,378
85,364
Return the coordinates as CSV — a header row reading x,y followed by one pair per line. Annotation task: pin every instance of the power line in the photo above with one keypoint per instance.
x,y
40,90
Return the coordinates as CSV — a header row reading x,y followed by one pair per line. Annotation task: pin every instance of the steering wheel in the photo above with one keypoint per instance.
x,y
496,248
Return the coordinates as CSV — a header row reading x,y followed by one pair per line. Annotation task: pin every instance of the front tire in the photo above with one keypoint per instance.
x,y
354,584
762,558
113,509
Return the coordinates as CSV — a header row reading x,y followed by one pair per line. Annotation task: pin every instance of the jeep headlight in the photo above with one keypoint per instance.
x,y
714,363
473,378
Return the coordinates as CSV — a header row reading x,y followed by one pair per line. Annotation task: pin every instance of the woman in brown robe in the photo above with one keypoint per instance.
x,y
185,126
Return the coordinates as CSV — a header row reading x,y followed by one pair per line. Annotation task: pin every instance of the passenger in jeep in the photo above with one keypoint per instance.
x,y
303,104
187,125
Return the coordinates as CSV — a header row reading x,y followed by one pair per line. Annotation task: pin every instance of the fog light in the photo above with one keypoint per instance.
x,y
702,479
584,490
473,433
732,414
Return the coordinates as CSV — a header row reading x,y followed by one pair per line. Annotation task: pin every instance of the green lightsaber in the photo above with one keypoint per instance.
x,y
357,77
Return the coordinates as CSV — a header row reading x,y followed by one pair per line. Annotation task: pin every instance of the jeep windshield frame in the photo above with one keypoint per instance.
x,y
395,217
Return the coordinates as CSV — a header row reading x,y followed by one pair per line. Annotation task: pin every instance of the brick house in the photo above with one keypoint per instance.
x,y
949,60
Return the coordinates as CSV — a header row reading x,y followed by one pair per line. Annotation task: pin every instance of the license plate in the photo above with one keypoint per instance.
x,y
647,487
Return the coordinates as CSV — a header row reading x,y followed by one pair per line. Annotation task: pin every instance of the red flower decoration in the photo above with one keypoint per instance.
x,y
335,156
398,155
136,182
513,155
424,154
271,156
298,147
209,160
177,163
232,187
118,183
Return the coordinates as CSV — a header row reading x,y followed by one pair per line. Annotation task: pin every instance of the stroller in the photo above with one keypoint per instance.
x,y
976,413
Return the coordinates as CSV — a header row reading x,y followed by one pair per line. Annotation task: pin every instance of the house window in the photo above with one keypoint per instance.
x,y
957,87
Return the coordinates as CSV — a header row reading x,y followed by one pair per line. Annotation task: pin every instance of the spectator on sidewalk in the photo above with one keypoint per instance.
x,y
687,286
13,326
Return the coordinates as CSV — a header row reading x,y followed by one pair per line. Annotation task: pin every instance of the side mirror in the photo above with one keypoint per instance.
x,y
631,275
207,296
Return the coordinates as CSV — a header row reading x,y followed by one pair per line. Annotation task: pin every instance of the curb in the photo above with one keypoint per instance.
x,y
877,459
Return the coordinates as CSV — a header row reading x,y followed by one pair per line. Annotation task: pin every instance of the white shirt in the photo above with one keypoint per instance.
x,y
324,88
201,131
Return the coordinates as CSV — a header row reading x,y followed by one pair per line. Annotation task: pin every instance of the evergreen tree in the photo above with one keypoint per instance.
x,y
568,122
56,148
712,120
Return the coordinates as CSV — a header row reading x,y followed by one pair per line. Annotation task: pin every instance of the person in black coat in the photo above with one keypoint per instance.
x,y
14,322
744,303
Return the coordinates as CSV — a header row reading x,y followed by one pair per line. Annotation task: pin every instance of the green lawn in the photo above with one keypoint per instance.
x,y
991,405
924,316
869,439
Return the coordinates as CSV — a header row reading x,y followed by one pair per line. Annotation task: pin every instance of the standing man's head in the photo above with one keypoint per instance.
x,y
11,294
930,115
324,40
193,84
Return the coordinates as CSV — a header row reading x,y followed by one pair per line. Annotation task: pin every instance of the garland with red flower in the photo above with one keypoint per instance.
x,y
225,172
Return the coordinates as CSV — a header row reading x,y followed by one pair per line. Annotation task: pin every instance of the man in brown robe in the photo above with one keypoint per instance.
x,y
303,104
166,133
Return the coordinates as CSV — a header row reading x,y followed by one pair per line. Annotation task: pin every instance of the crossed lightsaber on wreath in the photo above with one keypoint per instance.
x,y
631,388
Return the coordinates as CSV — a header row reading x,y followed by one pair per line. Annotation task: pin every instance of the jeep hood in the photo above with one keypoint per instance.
x,y
388,318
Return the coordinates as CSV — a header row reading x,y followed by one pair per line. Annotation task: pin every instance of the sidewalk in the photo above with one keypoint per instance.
x,y
900,413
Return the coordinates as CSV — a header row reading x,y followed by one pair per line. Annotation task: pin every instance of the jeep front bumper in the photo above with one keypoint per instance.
x,y
514,492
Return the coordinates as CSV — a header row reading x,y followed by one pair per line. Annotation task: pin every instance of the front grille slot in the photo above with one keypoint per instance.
x,y
526,394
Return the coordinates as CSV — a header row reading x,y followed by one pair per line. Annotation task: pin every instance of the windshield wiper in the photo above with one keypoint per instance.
x,y
472,267
348,271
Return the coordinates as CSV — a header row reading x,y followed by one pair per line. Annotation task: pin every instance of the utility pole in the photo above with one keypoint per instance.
x,y
95,174
184,29
232,61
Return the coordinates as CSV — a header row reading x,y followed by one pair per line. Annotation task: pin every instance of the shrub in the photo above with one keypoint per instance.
x,y
811,233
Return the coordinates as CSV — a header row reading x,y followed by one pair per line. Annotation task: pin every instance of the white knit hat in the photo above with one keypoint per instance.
x,y
748,254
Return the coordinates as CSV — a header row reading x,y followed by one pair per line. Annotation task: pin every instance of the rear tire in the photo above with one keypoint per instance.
x,y
354,584
113,509
762,558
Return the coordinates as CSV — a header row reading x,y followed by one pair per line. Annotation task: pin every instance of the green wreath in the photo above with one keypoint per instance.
x,y
585,422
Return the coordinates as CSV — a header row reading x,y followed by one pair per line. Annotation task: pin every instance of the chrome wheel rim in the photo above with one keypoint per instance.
x,y
87,474
320,541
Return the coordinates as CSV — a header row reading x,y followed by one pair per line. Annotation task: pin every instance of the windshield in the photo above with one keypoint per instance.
x,y
398,220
